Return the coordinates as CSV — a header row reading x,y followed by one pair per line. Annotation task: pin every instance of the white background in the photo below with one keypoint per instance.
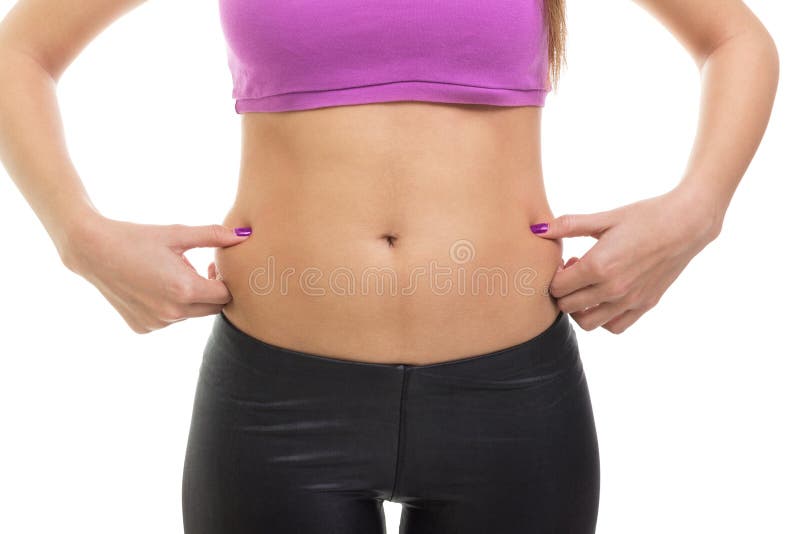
x,y
696,405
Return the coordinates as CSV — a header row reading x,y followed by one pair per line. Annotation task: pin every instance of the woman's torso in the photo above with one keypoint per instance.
x,y
392,232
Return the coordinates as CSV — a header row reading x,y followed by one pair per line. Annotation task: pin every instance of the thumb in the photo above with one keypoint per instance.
x,y
590,224
212,235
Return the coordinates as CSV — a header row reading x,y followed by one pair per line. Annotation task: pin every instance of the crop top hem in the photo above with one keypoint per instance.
x,y
391,92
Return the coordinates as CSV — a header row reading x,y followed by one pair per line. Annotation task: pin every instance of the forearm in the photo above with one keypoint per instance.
x,y
739,80
33,149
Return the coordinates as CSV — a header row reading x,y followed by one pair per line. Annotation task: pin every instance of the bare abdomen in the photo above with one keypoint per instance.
x,y
396,245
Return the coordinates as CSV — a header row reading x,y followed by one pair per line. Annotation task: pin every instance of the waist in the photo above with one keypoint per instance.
x,y
388,251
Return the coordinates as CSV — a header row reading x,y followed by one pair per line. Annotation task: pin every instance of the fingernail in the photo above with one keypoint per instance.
x,y
246,230
540,228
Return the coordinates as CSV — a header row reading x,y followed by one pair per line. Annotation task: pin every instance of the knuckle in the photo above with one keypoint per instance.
x,y
186,294
612,268
134,324
616,329
634,299
68,261
596,266
169,314
615,326
650,302
179,289
218,232
139,329
618,288
567,222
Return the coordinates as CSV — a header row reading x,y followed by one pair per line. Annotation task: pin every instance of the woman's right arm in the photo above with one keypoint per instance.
x,y
140,269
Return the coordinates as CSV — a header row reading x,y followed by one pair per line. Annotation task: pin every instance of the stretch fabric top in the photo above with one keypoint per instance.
x,y
303,54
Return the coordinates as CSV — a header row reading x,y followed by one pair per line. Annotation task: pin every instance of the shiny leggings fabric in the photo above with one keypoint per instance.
x,y
286,442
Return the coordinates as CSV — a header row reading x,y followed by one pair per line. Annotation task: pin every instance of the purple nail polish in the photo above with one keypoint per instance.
x,y
540,228
246,230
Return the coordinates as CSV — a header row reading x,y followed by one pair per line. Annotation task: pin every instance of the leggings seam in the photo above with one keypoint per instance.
x,y
400,434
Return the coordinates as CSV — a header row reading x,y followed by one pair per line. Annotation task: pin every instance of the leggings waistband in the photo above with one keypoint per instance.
x,y
541,350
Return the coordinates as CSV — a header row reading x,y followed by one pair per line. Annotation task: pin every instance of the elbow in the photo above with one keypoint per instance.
x,y
15,64
753,44
771,57
766,60
19,57
763,47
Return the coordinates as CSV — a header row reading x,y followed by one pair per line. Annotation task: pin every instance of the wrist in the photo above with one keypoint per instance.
x,y
706,209
76,229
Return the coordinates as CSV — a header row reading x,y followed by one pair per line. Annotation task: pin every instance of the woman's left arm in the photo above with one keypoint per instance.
x,y
644,246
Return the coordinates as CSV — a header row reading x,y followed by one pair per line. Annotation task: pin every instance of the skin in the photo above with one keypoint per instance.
x,y
391,185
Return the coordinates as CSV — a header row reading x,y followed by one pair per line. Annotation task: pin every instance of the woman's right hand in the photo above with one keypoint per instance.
x,y
141,270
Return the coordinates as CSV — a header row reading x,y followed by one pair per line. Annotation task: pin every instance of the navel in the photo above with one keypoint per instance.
x,y
390,238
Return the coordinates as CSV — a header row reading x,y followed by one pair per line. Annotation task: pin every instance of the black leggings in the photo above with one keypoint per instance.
x,y
286,442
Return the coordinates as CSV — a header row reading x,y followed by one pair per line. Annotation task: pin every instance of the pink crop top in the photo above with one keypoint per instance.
x,y
303,54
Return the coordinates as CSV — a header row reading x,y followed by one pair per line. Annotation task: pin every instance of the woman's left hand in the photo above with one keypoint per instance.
x,y
641,249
